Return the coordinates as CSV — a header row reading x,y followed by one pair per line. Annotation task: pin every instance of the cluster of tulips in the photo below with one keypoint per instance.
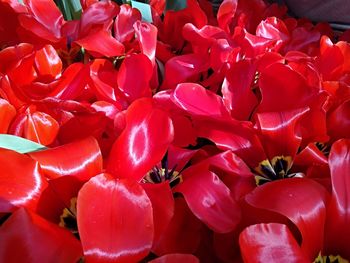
x,y
198,136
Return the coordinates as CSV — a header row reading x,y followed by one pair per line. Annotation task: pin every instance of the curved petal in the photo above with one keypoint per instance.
x,y
41,128
99,13
175,258
27,237
46,15
198,101
21,181
338,121
92,42
7,113
270,243
135,87
118,230
182,235
226,12
278,94
210,200
80,159
123,25
184,68
237,91
338,214
162,201
278,132
303,201
48,64
143,143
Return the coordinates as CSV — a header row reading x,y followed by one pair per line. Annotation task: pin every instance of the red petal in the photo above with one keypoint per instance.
x,y
197,101
338,217
80,159
99,13
46,15
118,230
279,95
184,68
27,237
278,132
300,200
238,97
48,63
41,128
226,13
162,200
92,42
338,121
182,234
132,87
143,143
7,113
21,181
175,258
270,243
210,200
123,25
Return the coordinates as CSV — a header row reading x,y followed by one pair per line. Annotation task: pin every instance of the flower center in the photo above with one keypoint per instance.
x,y
330,259
158,175
275,169
68,218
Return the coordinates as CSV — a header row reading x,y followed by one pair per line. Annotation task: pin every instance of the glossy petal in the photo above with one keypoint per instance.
x,y
21,180
278,132
110,48
118,230
210,200
226,13
270,243
197,101
236,89
123,25
48,63
45,17
99,13
7,113
302,201
279,95
184,68
338,121
41,128
80,159
132,87
338,214
27,237
143,143
175,258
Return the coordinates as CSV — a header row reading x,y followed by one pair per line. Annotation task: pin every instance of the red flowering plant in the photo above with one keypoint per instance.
x,y
167,131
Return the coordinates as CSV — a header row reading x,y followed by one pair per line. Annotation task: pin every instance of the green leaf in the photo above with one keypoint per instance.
x,y
175,5
71,9
145,10
19,144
